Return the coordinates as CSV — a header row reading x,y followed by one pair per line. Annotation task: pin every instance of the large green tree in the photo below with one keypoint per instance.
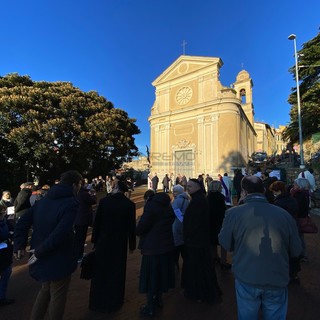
x,y
46,128
309,76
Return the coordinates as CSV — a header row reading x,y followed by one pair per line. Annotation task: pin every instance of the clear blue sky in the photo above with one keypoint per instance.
x,y
118,47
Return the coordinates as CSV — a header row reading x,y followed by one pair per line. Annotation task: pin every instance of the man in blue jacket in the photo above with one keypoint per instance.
x,y
53,256
262,237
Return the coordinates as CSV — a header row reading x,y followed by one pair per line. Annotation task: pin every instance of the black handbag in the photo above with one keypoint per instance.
x,y
87,265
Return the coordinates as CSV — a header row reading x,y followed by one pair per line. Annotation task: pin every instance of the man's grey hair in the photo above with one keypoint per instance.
x,y
214,185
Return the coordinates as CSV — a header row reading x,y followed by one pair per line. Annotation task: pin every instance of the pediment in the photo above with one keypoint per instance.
x,y
186,65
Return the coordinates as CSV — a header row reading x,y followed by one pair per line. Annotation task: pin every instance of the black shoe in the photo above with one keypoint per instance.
x,y
225,266
5,302
147,311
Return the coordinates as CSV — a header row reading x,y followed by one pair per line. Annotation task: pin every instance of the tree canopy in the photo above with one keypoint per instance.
x,y
49,127
309,76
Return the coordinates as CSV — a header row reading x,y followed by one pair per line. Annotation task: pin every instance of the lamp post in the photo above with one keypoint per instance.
x,y
293,37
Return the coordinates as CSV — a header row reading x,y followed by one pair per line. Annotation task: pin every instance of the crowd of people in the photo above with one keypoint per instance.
x,y
182,228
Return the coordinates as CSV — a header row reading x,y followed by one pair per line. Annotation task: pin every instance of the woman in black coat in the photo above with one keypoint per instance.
x,y
114,227
156,244
199,278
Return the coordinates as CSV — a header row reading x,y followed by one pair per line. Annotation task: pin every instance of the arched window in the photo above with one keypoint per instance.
x,y
243,96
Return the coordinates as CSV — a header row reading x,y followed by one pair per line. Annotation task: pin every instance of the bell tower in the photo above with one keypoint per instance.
x,y
243,87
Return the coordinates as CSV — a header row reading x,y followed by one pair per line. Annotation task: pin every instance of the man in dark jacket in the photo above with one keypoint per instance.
x,y
22,201
155,181
52,244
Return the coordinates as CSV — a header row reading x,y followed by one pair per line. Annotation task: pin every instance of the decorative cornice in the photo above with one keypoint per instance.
x,y
182,144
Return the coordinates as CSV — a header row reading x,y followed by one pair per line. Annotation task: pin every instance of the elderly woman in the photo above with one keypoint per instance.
x,y
217,209
283,199
301,192
179,205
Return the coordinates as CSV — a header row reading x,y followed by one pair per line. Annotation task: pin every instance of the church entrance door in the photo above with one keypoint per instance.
x,y
184,163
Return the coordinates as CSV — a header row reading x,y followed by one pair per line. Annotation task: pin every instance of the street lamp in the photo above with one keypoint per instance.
x,y
293,37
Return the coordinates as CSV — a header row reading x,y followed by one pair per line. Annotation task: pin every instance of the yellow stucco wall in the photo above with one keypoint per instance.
x,y
198,125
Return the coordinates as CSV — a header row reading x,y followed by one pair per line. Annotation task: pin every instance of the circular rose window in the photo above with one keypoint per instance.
x,y
184,95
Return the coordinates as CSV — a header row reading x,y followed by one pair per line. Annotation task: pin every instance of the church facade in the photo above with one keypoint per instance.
x,y
197,124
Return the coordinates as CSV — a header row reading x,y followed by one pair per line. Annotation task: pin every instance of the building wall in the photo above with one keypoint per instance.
x,y
198,125
266,139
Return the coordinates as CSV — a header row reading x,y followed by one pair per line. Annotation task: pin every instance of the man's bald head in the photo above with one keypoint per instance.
x,y
252,184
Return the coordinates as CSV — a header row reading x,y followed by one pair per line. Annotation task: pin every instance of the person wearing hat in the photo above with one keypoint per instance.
x,y
262,238
179,204
22,201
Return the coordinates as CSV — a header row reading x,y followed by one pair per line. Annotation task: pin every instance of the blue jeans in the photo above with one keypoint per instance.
x,y
273,302
4,279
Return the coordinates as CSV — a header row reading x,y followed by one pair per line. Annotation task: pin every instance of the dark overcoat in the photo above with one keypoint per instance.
x,y
22,202
196,222
114,228
155,226
217,209
285,201
52,220
85,212
198,272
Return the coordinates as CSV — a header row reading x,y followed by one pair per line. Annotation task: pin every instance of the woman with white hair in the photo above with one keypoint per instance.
x,y
179,205
301,192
